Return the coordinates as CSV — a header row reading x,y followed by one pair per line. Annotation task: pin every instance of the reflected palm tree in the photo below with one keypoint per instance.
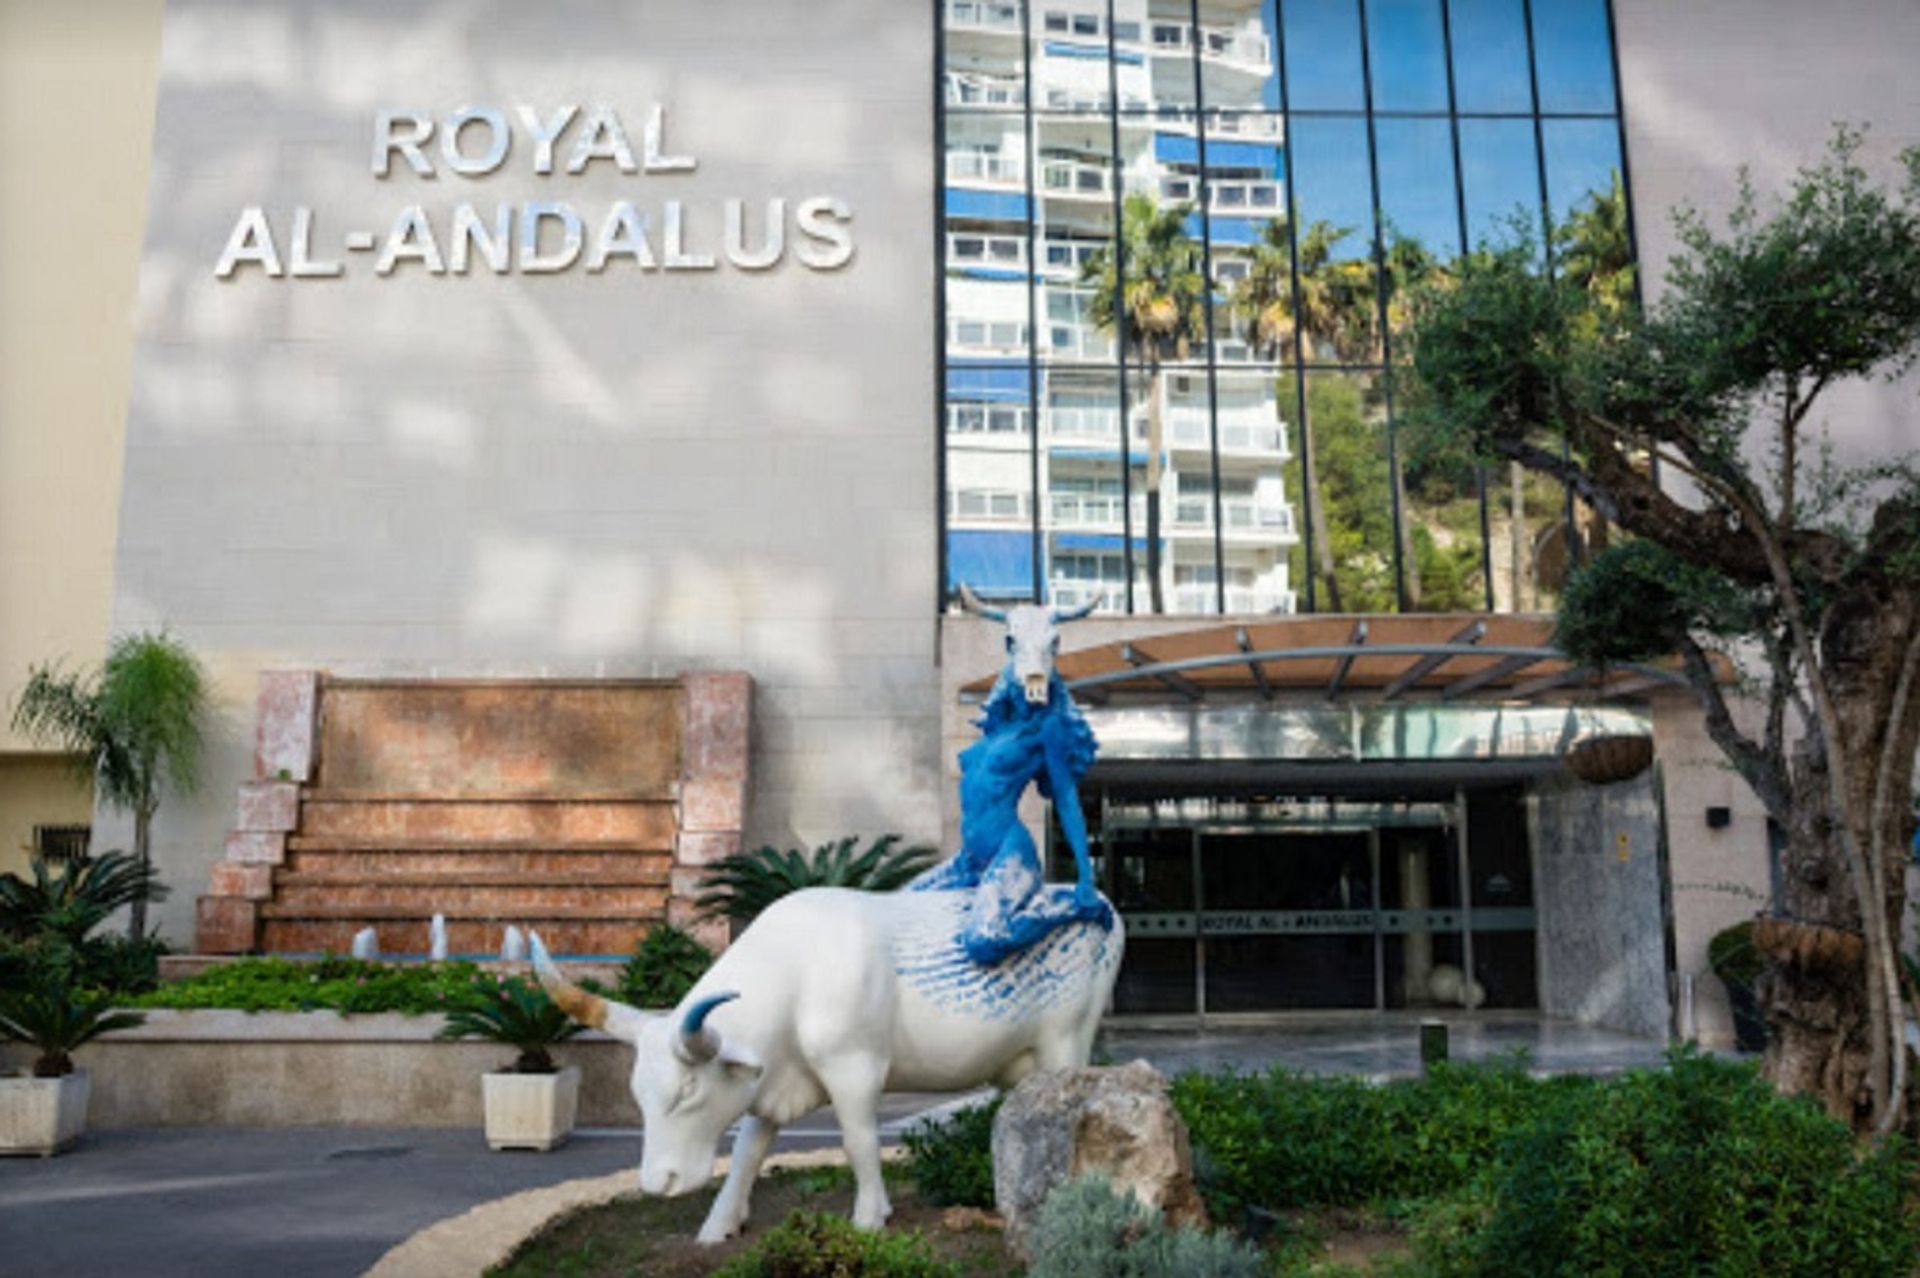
x,y
1594,250
1152,297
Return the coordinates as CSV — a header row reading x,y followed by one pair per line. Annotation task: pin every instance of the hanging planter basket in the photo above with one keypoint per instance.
x,y
1610,757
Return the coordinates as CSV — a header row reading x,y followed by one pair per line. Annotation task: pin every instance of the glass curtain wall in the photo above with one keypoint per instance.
x,y
1177,239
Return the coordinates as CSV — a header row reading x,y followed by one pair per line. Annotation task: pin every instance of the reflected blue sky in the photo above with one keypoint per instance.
x,y
1416,183
1323,55
1490,55
1408,55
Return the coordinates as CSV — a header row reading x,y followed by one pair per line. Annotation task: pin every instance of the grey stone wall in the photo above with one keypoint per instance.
x,y
626,472
1597,899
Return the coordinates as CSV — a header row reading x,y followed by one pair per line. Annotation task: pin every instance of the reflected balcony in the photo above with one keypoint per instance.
x,y
1106,596
1241,50
1094,512
977,89
989,17
1076,179
1241,517
984,168
1202,598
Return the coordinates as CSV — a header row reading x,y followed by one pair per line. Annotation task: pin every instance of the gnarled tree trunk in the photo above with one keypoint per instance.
x,y
1820,971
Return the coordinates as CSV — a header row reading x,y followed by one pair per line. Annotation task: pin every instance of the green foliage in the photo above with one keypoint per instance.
x,y
1086,1231
663,967
817,1245
1733,956
1282,1140
71,902
740,886
1636,601
1700,1168
951,1159
136,721
514,1011
56,1020
329,984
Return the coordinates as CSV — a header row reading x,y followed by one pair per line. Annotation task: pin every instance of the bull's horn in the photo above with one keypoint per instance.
x,y
697,1042
971,602
588,1008
1074,614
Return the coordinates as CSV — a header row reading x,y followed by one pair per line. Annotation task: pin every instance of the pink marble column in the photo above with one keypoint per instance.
x,y
285,736
714,744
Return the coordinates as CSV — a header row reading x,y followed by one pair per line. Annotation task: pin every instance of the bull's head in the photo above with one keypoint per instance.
x,y
1033,639
690,1084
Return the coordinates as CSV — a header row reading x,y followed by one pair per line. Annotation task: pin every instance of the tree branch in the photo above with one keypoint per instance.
x,y
1762,766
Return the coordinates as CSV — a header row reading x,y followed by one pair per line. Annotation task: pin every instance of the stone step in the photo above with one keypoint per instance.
x,y
562,820
337,900
385,862
634,874
638,904
615,937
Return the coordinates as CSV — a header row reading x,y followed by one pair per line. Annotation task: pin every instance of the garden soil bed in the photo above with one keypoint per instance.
x,y
653,1237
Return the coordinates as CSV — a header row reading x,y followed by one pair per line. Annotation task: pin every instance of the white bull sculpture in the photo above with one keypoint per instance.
x,y
847,994
979,972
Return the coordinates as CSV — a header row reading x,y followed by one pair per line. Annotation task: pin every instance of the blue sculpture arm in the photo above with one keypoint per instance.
x,y
1066,803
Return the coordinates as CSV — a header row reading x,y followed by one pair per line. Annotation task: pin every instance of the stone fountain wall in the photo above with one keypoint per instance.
x,y
584,808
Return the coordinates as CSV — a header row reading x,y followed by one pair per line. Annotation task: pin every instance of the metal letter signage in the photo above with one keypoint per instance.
x,y
539,237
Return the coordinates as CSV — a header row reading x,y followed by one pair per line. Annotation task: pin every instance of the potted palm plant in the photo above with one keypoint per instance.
x,y
531,1104
46,1110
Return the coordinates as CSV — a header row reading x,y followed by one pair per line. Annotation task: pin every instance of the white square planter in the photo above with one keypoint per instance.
x,y
530,1111
42,1115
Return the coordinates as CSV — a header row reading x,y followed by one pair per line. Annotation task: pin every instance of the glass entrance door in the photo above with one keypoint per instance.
x,y
1289,920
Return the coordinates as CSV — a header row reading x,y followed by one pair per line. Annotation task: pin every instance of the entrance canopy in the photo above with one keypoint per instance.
x,y
1426,657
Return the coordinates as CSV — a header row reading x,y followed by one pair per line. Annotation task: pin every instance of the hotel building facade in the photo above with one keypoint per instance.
x,y
561,433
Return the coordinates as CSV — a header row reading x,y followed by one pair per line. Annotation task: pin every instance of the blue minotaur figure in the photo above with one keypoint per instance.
x,y
1031,732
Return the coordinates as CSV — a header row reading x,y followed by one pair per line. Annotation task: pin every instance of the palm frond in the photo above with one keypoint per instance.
x,y
741,886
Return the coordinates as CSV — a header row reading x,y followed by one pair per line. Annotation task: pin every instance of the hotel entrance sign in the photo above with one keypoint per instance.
x,y
541,236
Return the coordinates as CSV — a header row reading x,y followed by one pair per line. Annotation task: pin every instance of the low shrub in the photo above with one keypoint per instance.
x,y
951,1159
663,967
1085,1230
817,1245
1700,1168
515,1012
1282,1140
114,965
337,984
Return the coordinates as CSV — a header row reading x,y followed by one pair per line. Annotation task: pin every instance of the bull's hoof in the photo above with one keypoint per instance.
x,y
715,1232
871,1216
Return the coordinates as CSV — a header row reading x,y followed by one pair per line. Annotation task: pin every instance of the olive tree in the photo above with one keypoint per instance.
x,y
1697,425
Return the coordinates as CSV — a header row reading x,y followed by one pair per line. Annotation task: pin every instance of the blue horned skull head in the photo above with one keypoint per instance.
x,y
1033,640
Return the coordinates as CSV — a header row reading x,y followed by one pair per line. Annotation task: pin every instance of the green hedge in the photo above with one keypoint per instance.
x,y
816,1245
951,1159
1281,1140
1698,1169
337,984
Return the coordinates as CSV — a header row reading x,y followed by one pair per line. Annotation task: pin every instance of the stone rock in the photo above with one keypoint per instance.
x,y
1116,1121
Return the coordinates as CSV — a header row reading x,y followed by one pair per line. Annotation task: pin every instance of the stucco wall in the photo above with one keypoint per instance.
x,y
1711,85
37,789
622,473
76,119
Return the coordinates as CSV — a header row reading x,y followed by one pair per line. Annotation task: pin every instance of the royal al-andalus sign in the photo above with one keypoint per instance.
x,y
536,236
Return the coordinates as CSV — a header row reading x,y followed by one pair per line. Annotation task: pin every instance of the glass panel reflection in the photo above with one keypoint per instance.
x,y
1152,887
1247,230
1406,55
1572,52
1490,55
989,497
1348,466
1124,197
1323,55
1442,550
1333,207
985,69
1500,180
1086,514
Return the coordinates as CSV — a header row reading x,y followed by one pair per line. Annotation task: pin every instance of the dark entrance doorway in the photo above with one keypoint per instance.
x,y
1246,907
